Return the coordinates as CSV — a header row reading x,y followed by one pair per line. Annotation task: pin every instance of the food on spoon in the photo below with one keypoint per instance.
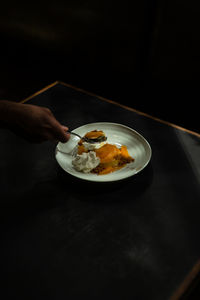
x,y
95,136
100,158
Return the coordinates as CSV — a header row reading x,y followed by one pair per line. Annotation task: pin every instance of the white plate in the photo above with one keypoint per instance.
x,y
117,134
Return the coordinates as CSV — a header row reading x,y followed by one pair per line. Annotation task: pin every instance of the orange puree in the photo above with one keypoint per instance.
x,y
81,149
111,158
107,152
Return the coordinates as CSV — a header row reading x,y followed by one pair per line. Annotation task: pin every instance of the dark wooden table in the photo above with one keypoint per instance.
x,y
63,238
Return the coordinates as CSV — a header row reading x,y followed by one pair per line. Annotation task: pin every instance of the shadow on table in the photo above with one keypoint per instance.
x,y
55,193
117,191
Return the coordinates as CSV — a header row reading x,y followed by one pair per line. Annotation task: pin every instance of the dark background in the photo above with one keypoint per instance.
x,y
145,54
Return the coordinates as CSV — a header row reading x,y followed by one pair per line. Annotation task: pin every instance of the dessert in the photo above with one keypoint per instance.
x,y
100,158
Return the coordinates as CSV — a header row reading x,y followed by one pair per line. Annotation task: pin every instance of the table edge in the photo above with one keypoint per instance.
x,y
192,275
112,102
187,283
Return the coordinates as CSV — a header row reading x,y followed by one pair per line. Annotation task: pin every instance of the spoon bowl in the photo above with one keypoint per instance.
x,y
100,139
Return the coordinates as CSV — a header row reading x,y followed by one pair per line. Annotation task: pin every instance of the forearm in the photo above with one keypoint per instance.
x,y
9,112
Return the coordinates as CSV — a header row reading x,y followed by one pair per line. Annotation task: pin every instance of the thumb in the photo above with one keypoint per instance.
x,y
60,132
65,128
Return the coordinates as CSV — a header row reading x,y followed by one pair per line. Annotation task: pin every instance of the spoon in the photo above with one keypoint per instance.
x,y
100,139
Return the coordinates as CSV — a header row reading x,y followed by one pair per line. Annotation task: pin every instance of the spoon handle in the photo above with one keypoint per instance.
x,y
75,134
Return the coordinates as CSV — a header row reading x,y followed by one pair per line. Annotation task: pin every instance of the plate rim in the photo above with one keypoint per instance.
x,y
116,179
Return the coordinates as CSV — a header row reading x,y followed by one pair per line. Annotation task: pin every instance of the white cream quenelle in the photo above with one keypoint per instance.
x,y
86,161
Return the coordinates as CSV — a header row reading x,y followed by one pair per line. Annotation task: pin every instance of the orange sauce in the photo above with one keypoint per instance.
x,y
107,153
111,158
81,149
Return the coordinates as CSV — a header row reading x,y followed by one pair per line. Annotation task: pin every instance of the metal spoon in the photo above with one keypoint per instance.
x,y
100,139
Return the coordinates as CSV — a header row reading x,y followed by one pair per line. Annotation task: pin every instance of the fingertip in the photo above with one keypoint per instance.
x,y
65,128
61,132
65,137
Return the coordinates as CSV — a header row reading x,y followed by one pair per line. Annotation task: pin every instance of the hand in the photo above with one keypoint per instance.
x,y
33,122
40,124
